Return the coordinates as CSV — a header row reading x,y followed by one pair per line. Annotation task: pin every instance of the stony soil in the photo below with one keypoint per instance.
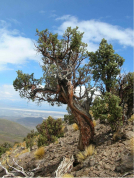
x,y
113,158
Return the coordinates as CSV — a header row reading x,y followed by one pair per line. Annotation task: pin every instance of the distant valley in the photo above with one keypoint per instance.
x,y
28,122
14,129
11,131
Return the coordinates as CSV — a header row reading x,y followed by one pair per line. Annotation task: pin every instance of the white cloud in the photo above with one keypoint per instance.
x,y
64,17
14,21
77,91
95,30
14,48
31,110
7,92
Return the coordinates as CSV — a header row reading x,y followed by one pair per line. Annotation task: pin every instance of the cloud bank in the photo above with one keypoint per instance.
x,y
14,48
95,31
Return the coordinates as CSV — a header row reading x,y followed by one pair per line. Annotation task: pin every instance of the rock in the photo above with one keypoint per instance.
x,y
109,142
106,166
65,129
102,174
100,162
2,172
24,155
129,134
92,163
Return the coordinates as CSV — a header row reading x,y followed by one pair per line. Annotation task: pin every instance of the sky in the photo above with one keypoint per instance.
x,y
98,19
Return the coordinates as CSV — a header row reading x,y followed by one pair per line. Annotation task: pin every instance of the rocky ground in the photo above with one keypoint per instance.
x,y
113,158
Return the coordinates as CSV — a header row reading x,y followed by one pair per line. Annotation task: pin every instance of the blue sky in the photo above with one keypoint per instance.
x,y
112,20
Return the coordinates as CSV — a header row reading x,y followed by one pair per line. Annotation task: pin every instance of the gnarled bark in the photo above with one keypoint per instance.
x,y
82,118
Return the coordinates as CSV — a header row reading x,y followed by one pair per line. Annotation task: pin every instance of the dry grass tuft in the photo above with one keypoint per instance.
x,y
56,142
8,153
62,128
25,151
131,118
80,157
132,145
75,127
94,122
23,144
91,112
89,150
18,154
67,175
39,154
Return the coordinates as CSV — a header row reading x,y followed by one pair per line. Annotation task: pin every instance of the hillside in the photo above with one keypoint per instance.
x,y
111,158
11,131
30,122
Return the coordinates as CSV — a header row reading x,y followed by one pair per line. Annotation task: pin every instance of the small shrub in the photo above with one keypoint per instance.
x,y
39,154
32,134
42,141
29,142
75,126
67,175
49,131
4,147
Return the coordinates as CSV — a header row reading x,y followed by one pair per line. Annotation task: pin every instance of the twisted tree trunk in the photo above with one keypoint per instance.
x,y
83,119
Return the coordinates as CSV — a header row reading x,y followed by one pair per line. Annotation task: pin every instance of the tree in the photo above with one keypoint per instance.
x,y
63,73
124,89
105,65
108,108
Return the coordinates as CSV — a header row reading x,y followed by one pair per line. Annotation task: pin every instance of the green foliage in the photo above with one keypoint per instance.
x,y
29,142
108,108
124,89
105,64
69,119
49,131
32,134
4,147
128,93
58,56
24,82
30,139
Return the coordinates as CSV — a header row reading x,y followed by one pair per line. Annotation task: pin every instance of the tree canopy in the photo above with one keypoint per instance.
x,y
62,60
105,65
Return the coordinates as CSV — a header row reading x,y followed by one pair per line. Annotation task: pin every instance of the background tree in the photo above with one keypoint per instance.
x,y
107,107
62,74
105,65
124,89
